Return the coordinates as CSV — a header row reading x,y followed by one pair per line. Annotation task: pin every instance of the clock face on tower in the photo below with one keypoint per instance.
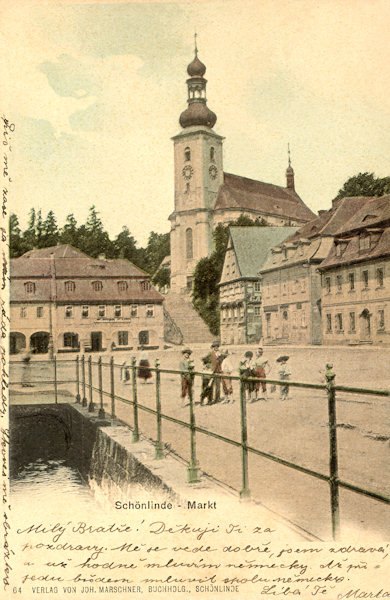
x,y
187,172
213,171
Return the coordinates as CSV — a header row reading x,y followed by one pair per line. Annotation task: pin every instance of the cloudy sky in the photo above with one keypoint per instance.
x,y
96,89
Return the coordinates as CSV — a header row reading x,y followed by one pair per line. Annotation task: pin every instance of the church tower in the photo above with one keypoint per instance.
x,y
198,177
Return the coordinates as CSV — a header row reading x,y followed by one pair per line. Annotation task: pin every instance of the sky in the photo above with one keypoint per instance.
x,y
96,90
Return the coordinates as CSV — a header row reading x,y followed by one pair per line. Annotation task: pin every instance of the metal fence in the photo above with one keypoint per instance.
x,y
84,384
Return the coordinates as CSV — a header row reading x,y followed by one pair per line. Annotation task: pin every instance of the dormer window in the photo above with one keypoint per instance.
x,y
284,253
340,249
122,286
70,286
187,154
29,287
145,285
364,242
97,286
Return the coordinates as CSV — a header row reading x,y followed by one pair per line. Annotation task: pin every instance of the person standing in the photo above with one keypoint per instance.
x,y
260,366
26,369
144,371
247,367
207,382
186,377
284,374
216,369
227,369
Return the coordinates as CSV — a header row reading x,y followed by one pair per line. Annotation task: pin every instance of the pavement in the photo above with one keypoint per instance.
x,y
295,430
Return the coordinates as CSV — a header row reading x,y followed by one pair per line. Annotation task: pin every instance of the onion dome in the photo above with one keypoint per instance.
x,y
196,68
197,114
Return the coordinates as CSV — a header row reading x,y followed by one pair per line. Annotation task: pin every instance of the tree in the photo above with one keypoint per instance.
x,y
94,239
50,233
364,184
69,234
17,245
125,246
158,247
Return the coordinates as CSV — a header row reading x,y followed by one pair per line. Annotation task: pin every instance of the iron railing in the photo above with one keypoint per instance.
x,y
335,483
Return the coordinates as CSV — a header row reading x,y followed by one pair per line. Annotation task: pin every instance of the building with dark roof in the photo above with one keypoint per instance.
x,y
292,293
205,195
64,300
355,275
240,291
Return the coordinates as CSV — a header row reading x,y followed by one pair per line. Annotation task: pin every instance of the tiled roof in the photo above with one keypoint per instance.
x,y
67,263
375,211
252,244
242,193
329,222
353,254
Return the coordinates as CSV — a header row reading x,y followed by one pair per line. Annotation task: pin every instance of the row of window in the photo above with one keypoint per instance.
x,y
97,286
187,154
294,287
337,323
71,340
85,311
379,279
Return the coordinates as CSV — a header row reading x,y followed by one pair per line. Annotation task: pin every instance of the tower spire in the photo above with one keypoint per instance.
x,y
197,112
290,171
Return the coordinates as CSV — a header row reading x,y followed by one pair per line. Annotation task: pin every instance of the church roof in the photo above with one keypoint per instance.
x,y
252,244
242,193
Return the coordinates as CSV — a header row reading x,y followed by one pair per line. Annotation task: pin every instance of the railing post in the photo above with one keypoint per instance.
x,y
333,459
245,492
135,402
159,449
193,466
55,379
91,406
112,388
101,409
84,402
78,380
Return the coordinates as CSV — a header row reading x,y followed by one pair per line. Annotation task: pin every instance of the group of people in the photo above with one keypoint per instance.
x,y
220,389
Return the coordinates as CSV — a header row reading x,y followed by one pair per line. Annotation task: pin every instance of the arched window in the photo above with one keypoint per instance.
x,y
212,153
187,154
189,244
70,286
97,286
122,286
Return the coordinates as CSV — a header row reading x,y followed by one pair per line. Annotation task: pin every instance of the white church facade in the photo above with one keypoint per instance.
x,y
205,195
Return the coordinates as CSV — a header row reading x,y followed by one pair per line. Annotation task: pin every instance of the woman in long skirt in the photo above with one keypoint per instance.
x,y
144,371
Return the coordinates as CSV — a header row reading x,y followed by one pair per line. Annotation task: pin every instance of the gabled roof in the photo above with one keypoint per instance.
x,y
252,244
352,253
242,193
329,222
374,212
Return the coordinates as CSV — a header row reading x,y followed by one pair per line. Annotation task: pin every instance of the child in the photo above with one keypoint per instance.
x,y
284,374
227,368
260,365
247,367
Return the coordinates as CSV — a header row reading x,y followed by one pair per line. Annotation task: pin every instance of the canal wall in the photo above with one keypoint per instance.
x,y
102,450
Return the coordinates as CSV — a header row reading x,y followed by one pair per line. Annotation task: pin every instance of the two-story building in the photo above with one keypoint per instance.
x,y
292,312
63,300
356,279
240,293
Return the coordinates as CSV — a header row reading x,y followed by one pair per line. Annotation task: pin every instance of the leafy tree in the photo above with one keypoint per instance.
x,y
205,291
158,247
125,246
364,184
161,278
